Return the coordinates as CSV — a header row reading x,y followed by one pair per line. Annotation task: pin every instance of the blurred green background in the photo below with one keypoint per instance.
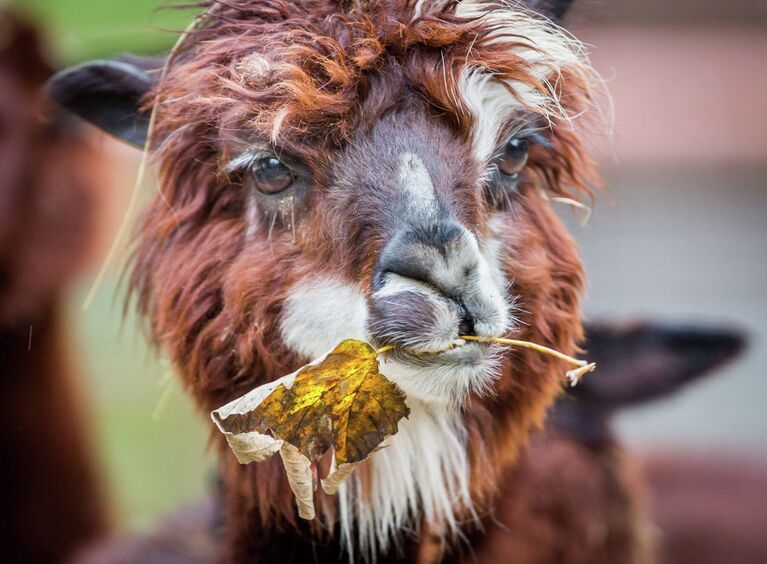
x,y
81,29
151,443
150,440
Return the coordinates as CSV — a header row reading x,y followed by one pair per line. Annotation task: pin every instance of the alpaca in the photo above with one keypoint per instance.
x,y
705,507
51,496
372,170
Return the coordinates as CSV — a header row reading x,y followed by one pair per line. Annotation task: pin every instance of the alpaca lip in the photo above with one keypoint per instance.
x,y
457,352
450,346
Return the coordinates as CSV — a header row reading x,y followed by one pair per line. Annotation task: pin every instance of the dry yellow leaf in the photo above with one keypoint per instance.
x,y
340,401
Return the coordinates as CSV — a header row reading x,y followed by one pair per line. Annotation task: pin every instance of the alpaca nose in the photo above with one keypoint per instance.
x,y
441,255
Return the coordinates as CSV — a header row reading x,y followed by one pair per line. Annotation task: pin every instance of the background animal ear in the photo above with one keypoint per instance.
x,y
109,94
21,51
646,361
554,9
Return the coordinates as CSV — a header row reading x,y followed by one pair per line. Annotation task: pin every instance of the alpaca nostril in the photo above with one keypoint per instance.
x,y
466,326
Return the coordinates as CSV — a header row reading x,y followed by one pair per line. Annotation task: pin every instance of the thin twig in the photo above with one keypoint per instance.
x,y
573,376
527,345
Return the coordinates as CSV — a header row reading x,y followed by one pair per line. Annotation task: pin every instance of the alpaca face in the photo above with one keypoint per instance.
x,y
366,188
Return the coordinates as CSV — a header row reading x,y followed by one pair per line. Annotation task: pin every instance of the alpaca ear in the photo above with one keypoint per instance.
x,y
109,94
647,361
554,9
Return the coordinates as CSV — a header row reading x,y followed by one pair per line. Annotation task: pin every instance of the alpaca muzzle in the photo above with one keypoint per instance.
x,y
431,285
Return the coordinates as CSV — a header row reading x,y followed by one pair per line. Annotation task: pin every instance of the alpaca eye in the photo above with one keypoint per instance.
x,y
271,176
514,157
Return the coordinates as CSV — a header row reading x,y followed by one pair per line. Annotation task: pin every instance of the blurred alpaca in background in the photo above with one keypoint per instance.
x,y
51,499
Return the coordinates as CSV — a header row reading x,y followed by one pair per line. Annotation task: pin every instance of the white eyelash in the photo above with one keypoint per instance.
x,y
244,160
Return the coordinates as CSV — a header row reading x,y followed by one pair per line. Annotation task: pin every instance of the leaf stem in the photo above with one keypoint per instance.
x,y
527,345
574,375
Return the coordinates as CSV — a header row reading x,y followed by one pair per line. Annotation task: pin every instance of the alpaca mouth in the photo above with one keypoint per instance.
x,y
445,376
457,353
422,327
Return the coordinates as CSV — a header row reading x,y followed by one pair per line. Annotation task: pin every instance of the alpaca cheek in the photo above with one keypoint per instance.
x,y
320,312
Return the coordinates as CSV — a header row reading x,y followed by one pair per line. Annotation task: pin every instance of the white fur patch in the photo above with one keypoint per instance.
x,y
320,313
446,386
416,182
422,472
545,47
491,105
418,8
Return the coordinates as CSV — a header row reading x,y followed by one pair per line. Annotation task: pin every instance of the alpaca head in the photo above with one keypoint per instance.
x,y
372,170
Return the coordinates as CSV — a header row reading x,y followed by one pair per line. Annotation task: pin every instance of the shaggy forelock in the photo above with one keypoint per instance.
x,y
306,77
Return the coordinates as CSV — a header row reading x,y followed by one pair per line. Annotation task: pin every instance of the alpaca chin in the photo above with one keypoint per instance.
x,y
447,385
422,472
